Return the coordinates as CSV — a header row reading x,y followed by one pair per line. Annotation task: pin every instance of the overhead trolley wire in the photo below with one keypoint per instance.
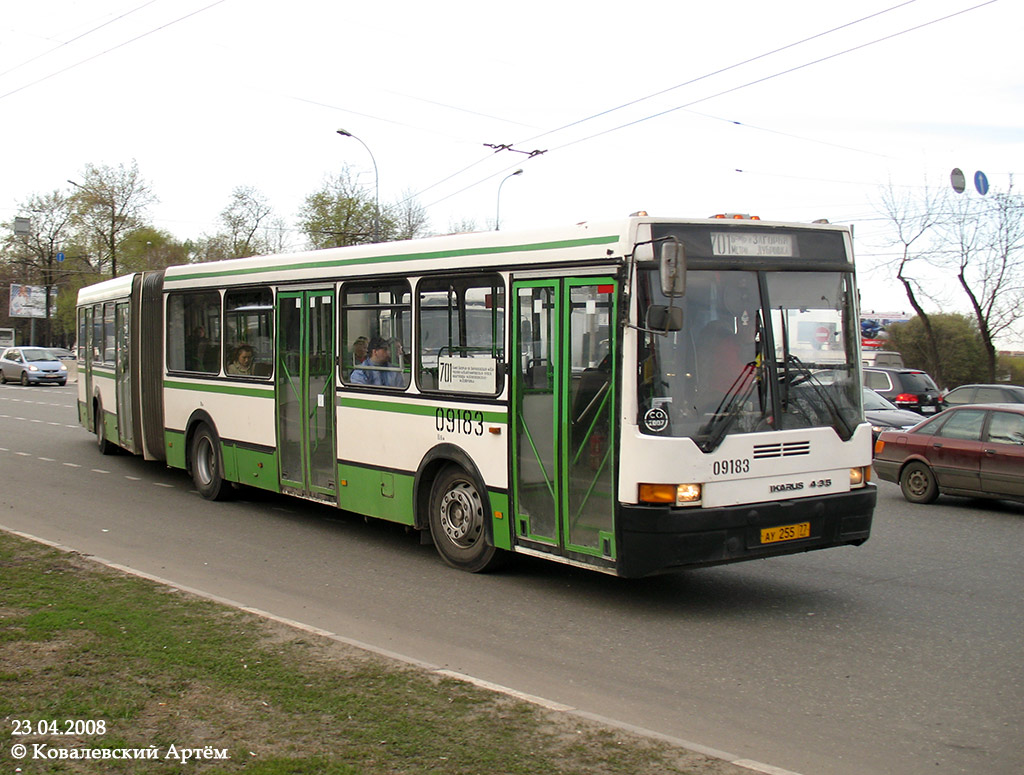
x,y
773,75
77,37
112,48
720,71
718,94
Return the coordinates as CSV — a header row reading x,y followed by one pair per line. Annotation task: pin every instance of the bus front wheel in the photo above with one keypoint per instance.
x,y
207,468
457,517
106,447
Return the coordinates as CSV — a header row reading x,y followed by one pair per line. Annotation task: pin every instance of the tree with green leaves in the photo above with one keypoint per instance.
x,y
342,213
961,357
108,204
33,255
149,248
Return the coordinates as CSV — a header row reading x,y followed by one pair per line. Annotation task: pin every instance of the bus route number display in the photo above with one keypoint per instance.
x,y
467,375
752,244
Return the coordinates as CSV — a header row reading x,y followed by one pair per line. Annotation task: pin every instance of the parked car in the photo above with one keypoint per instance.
x,y
31,366
62,353
984,394
975,450
909,389
885,416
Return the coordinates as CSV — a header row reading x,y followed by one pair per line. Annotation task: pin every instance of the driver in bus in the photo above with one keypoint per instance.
x,y
376,369
723,358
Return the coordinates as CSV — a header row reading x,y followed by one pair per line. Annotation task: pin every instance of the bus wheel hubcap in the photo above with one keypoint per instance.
x,y
461,514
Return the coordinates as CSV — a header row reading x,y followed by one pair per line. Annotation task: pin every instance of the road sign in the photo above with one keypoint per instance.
x,y
981,182
60,257
956,177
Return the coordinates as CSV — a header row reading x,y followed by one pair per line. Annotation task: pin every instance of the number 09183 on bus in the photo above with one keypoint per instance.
x,y
635,397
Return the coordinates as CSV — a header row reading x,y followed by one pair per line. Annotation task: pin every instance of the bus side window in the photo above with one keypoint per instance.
x,y
380,313
460,319
193,331
248,332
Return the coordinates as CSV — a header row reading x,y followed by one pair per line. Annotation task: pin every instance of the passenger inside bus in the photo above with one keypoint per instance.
x,y
242,362
376,368
198,351
359,350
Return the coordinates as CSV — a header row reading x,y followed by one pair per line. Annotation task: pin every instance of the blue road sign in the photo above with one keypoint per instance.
x,y
981,182
60,256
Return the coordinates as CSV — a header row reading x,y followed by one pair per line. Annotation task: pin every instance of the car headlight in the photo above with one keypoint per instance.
x,y
33,368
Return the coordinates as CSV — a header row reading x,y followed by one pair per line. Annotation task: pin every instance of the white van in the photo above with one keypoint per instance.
x,y
883,358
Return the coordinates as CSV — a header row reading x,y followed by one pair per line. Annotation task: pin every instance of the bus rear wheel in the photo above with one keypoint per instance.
x,y
207,468
457,519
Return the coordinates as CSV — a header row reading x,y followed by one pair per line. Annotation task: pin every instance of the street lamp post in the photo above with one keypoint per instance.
x,y
497,209
376,185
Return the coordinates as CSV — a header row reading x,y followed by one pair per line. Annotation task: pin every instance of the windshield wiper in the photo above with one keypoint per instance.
x,y
729,408
804,375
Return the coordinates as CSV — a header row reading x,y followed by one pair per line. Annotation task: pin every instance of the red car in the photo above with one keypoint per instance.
x,y
975,450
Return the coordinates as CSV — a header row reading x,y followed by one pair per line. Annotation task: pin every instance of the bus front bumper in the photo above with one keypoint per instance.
x,y
660,539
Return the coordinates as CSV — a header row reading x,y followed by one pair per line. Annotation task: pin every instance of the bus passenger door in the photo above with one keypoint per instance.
x,y
123,376
304,388
563,398
85,370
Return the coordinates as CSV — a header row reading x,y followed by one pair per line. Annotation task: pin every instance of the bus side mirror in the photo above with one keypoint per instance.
x,y
673,269
662,318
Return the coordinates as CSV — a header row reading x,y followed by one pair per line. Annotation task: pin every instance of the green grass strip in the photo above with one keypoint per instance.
x,y
159,667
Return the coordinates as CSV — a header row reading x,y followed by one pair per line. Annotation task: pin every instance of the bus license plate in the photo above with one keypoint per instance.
x,y
771,535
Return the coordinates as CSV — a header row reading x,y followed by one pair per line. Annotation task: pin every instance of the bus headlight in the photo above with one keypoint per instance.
x,y
675,494
859,476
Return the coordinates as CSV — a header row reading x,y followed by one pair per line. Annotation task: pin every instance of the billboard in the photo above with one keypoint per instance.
x,y
873,327
29,301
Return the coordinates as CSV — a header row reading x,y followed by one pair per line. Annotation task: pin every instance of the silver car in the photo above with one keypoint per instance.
x,y
31,366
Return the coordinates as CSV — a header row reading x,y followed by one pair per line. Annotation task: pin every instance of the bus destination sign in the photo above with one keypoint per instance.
x,y
752,244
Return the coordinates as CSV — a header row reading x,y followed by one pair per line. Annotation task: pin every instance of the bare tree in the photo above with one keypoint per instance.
x,y
409,218
984,245
245,218
912,221
108,204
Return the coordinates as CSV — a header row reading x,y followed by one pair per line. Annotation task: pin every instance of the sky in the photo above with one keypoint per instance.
x,y
789,110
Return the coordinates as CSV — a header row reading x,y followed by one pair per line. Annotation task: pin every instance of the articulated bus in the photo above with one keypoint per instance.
x,y
635,397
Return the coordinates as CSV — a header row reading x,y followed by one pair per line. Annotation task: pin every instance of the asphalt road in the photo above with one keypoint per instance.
x,y
901,656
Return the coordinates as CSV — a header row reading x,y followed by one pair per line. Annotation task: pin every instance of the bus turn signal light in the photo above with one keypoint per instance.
x,y
676,494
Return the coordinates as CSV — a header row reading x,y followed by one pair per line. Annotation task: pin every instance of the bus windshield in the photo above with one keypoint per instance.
x,y
757,351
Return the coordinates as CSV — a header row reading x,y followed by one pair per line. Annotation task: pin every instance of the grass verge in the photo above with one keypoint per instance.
x,y
82,645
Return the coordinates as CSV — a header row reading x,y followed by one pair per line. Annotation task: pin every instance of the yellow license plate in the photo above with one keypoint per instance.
x,y
771,535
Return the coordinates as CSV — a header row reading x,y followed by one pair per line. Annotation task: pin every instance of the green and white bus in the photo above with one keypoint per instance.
x,y
634,397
